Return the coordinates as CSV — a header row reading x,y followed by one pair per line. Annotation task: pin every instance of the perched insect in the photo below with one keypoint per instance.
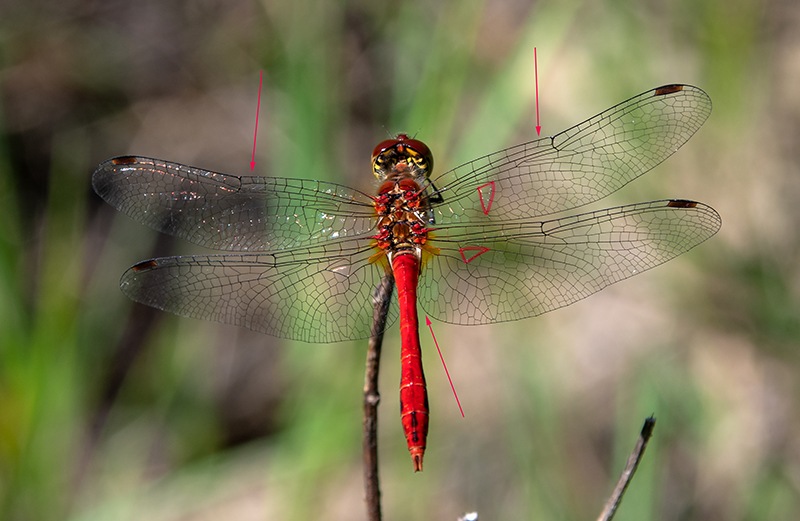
x,y
478,244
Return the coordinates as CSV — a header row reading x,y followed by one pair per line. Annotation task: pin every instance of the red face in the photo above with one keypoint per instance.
x,y
402,148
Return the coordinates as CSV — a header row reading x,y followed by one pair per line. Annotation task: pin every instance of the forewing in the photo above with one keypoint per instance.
x,y
578,166
312,294
228,212
494,273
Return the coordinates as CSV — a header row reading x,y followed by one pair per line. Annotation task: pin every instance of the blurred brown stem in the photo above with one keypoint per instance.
x,y
372,398
627,473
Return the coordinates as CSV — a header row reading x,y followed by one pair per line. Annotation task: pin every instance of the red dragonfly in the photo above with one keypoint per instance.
x,y
478,244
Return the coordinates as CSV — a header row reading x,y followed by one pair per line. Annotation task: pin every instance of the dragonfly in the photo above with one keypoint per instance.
x,y
489,241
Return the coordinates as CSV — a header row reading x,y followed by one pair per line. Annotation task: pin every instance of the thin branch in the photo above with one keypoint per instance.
x,y
627,473
372,491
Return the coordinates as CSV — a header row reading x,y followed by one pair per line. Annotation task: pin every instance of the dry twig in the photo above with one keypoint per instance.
x,y
372,491
627,473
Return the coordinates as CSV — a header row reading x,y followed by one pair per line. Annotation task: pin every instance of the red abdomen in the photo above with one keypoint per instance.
x,y
413,394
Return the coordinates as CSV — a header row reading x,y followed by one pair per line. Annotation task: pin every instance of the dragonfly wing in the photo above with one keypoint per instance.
x,y
494,273
316,294
576,167
227,212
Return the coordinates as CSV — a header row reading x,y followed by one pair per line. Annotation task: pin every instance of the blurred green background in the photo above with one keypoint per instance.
x,y
112,411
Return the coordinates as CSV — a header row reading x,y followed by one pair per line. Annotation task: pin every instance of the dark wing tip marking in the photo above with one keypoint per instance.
x,y
668,89
144,266
681,203
124,160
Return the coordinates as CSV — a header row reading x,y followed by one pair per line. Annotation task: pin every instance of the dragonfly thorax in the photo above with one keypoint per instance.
x,y
401,225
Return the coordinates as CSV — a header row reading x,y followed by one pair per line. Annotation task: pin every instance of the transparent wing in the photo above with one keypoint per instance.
x,y
578,166
227,212
317,294
498,259
518,269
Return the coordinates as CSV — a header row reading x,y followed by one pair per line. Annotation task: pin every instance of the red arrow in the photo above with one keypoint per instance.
x,y
258,109
428,323
536,80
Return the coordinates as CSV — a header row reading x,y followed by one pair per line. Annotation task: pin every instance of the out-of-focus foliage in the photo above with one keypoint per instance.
x,y
112,411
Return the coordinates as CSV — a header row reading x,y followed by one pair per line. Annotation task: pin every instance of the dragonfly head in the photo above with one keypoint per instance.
x,y
389,153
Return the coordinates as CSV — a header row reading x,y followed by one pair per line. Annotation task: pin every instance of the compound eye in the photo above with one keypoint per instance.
x,y
383,146
423,159
420,148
